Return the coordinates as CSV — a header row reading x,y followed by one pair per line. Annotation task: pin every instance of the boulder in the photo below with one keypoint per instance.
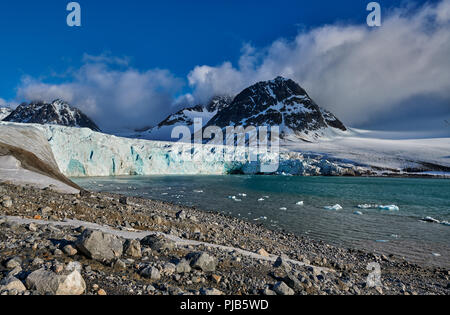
x,y
132,248
202,261
158,243
100,246
183,266
12,283
151,273
281,288
47,282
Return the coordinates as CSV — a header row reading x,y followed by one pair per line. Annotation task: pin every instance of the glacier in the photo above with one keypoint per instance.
x,y
81,152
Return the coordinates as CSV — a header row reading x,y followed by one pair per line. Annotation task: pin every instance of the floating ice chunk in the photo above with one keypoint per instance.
x,y
164,194
335,207
300,203
436,255
283,209
389,208
266,197
382,241
198,191
395,236
430,220
243,195
261,199
358,213
445,223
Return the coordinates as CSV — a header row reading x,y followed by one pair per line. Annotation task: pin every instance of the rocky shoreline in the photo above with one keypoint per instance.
x,y
100,243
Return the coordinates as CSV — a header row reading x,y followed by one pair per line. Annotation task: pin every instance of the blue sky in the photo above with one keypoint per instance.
x,y
166,44
172,34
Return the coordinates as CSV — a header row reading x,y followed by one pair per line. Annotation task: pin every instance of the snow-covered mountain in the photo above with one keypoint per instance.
x,y
280,102
185,117
55,113
4,112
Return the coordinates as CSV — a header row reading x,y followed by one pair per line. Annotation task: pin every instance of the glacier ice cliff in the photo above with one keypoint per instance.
x,y
85,153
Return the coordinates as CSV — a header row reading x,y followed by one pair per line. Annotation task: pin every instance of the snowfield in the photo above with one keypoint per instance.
x,y
387,151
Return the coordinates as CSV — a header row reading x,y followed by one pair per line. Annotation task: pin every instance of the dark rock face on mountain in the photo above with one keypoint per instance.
x,y
55,113
186,116
280,102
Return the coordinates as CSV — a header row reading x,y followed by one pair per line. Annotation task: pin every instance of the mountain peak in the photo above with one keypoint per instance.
x,y
58,112
279,102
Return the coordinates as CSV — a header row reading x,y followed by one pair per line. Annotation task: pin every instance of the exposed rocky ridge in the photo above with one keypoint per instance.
x,y
184,117
55,113
279,102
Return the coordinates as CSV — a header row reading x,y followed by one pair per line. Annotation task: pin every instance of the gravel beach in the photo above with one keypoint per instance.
x,y
106,244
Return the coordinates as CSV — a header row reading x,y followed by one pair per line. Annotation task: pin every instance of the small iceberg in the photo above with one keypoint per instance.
x,y
389,208
445,223
261,199
437,255
283,209
242,195
335,207
358,213
430,220
300,203
198,191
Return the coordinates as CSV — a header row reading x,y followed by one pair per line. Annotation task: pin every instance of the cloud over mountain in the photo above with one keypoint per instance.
x,y
366,76
361,74
112,93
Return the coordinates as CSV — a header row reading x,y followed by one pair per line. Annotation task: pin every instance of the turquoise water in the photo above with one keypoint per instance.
x,y
390,232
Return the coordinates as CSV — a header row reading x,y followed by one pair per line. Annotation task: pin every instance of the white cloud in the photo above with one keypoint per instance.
x,y
362,74
114,98
357,72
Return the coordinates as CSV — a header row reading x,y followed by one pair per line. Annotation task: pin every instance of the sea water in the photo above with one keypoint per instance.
x,y
322,208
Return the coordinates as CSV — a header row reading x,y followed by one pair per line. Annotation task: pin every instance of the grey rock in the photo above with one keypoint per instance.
x,y
7,203
158,243
202,261
267,291
151,273
12,283
281,288
210,291
100,246
120,264
168,269
132,248
13,263
183,266
47,282
293,282
69,250
282,263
